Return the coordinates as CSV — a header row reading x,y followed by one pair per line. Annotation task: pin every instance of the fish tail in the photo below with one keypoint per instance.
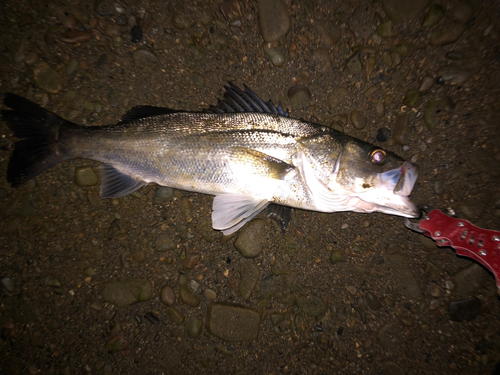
x,y
38,131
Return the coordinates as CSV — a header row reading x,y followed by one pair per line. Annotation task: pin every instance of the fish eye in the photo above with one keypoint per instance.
x,y
377,156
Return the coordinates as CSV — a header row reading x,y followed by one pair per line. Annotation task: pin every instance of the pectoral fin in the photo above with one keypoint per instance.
x,y
232,211
115,184
258,163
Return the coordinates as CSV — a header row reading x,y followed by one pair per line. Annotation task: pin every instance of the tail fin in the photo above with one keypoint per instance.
x,y
38,130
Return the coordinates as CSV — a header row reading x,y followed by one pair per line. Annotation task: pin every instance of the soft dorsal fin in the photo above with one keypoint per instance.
x,y
143,111
237,100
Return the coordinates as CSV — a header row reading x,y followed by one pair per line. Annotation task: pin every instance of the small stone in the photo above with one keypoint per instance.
x,y
450,34
163,194
164,242
191,260
194,326
433,16
144,57
85,176
232,323
404,10
336,97
426,84
188,297
249,276
465,310
276,319
373,302
167,295
180,21
455,55
312,306
453,74
276,55
413,98
250,239
383,134
175,315
210,294
75,36
354,65
136,34
123,293
402,129
116,344
274,20
8,284
47,79
299,96
358,119
336,256
385,30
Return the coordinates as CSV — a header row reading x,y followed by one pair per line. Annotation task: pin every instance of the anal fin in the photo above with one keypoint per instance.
x,y
115,184
232,211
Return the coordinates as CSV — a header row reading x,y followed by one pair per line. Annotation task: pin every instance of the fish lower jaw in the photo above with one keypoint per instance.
x,y
390,204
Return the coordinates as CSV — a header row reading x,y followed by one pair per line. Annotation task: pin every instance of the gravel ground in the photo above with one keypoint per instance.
x,y
143,285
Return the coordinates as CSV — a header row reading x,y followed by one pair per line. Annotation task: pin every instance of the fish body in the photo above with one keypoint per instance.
x,y
247,157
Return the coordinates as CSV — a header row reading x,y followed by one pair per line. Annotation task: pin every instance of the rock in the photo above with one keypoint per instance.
x,y
191,260
336,97
249,276
8,284
188,297
144,57
180,20
274,20
321,59
432,112
275,54
462,11
312,306
470,280
403,10
383,134
336,256
163,193
385,30
47,79
467,309
299,96
135,34
85,176
413,98
449,34
277,319
194,326
426,84
453,74
434,15
232,322
123,293
75,36
358,119
116,344
167,295
329,33
402,129
164,242
354,65
452,55
175,315
250,239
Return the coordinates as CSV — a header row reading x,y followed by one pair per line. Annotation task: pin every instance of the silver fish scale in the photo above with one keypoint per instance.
x,y
205,152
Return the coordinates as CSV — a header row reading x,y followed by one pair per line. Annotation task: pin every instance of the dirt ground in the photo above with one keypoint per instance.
x,y
338,293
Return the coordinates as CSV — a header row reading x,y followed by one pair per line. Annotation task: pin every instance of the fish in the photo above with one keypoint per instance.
x,y
248,153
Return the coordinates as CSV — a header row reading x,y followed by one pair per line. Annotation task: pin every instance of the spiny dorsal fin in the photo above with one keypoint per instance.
x,y
143,111
237,100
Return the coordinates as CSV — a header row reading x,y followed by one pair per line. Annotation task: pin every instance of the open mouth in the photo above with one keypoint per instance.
x,y
401,180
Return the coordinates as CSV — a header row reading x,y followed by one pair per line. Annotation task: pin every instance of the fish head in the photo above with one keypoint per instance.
x,y
347,174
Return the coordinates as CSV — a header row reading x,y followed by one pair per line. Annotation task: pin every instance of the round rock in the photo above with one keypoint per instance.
x,y
274,20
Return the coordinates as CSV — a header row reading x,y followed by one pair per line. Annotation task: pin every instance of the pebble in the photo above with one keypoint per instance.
x,y
432,113
383,134
402,129
249,276
85,176
175,315
353,64
250,238
433,16
47,79
330,33
454,55
336,256
449,34
191,260
462,11
116,344
385,30
180,21
453,74
312,306
232,323
123,293
274,20
8,284
277,318
426,84
163,194
469,280
403,10
194,326
299,96
188,297
321,58
358,119
152,318
275,54
336,97
164,242
373,302
144,57
167,295
380,108
210,294
135,34
75,36
413,98
465,310
72,68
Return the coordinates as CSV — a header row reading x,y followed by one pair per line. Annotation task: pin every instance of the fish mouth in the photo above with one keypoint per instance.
x,y
400,182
